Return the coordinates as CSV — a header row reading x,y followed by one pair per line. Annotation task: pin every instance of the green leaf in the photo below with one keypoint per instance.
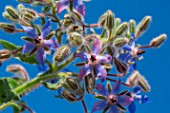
x,y
6,93
26,59
8,45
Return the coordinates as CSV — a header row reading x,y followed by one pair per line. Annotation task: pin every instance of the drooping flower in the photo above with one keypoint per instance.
x,y
39,43
93,61
78,5
137,97
112,98
131,56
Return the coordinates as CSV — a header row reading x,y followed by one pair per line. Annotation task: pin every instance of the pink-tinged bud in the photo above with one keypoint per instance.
x,y
4,55
156,42
18,70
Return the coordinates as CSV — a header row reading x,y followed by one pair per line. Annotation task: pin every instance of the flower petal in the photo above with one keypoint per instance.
x,y
97,46
104,59
127,47
99,105
83,56
125,100
62,5
41,56
84,71
79,6
142,99
51,44
28,47
124,57
113,109
30,31
133,40
137,90
133,67
102,89
101,72
43,68
132,107
46,29
116,87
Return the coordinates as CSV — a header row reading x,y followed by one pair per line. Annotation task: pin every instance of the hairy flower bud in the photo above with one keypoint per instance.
x,y
143,25
19,70
7,27
71,97
75,39
4,55
132,26
136,79
61,53
121,28
72,84
90,83
12,12
156,42
68,20
107,20
110,50
7,16
26,1
75,28
119,42
120,66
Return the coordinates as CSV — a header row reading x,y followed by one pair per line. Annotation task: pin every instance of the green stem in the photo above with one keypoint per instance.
x,y
34,82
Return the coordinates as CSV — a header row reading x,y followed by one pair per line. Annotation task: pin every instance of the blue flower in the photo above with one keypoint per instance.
x,y
132,54
93,61
112,98
139,98
39,43
78,5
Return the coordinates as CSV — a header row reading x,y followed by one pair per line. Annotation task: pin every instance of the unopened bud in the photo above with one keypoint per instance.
x,y
7,27
75,39
90,83
120,66
27,17
110,50
156,42
136,79
12,12
27,10
19,70
61,53
107,20
121,28
4,55
7,16
119,42
132,26
117,22
26,1
71,83
71,97
143,25
75,28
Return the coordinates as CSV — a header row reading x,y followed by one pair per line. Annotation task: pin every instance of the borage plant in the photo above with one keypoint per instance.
x,y
114,48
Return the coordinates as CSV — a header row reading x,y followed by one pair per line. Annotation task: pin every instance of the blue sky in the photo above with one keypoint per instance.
x,y
155,66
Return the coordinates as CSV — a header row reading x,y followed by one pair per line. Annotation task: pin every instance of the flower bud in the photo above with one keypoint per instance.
x,y
110,50
120,66
156,42
132,26
71,83
75,39
12,12
75,28
107,20
68,20
143,25
119,42
26,1
61,53
7,27
121,28
90,83
27,17
7,16
136,79
4,55
71,97
19,70
117,22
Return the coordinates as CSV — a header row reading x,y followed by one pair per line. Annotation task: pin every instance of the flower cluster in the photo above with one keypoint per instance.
x,y
104,57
